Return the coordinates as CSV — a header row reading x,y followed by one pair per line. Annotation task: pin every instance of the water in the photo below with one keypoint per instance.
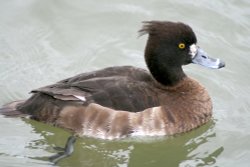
x,y
42,42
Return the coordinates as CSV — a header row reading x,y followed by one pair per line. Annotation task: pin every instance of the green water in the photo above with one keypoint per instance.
x,y
42,42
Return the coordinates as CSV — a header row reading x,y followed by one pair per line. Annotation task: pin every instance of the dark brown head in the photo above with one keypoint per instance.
x,y
171,45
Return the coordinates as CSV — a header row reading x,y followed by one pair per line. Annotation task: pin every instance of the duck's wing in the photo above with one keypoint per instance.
x,y
84,84
119,93
120,88
118,71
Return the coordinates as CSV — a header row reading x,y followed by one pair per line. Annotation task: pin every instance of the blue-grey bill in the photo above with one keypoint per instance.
x,y
202,58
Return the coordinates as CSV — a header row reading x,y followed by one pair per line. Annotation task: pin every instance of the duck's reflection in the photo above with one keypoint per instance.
x,y
194,148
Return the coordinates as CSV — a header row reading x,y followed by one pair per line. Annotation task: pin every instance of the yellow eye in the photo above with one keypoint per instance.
x,y
181,45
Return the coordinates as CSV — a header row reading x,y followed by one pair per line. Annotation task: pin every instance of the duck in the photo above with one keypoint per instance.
x,y
122,101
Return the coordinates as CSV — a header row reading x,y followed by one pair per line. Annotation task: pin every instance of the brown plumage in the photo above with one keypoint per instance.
x,y
122,101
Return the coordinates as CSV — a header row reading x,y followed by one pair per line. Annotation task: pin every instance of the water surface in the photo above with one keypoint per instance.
x,y
42,42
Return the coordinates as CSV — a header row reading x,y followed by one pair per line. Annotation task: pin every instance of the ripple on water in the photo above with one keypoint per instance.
x,y
44,41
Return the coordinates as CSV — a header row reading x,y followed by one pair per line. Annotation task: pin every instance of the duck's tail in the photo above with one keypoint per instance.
x,y
11,109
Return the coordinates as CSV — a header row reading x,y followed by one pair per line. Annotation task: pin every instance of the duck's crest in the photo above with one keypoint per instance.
x,y
153,27
147,28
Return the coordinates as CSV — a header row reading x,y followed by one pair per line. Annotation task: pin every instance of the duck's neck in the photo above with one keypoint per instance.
x,y
167,75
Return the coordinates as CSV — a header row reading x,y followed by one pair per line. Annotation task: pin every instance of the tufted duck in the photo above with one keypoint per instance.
x,y
116,102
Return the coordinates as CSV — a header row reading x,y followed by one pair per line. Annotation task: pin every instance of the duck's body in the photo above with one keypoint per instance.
x,y
122,101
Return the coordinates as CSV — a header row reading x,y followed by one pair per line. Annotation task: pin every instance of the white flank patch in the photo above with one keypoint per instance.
x,y
82,98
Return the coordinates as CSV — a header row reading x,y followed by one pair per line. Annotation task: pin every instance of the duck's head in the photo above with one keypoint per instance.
x,y
170,46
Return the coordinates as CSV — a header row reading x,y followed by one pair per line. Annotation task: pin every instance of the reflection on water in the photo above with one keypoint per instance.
x,y
180,150
198,158
45,41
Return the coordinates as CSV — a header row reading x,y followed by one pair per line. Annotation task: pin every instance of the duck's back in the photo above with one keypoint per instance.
x,y
120,88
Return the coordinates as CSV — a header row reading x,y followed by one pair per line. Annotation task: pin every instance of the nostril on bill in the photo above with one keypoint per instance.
x,y
205,57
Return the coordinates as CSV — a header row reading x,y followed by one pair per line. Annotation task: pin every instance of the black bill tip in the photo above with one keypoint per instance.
x,y
222,64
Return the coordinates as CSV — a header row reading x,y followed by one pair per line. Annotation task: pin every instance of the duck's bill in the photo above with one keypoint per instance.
x,y
200,57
